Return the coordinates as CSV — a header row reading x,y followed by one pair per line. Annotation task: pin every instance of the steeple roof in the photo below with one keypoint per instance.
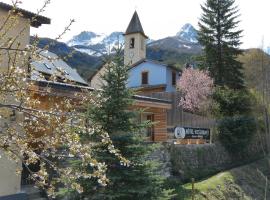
x,y
135,25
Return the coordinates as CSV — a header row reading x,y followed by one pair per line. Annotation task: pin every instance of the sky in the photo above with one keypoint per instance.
x,y
159,18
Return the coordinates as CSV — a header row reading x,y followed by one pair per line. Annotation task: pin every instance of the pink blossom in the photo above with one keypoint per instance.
x,y
196,86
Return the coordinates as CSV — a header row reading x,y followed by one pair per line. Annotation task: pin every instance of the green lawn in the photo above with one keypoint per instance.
x,y
244,183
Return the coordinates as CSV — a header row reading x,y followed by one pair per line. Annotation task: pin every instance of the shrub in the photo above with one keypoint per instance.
x,y
233,102
236,132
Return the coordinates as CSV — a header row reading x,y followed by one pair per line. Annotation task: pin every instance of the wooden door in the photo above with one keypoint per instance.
x,y
150,129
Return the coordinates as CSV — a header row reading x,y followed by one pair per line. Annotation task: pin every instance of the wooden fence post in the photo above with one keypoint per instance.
x,y
193,188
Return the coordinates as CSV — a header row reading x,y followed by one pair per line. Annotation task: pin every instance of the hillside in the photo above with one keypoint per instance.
x,y
256,64
84,63
158,50
245,183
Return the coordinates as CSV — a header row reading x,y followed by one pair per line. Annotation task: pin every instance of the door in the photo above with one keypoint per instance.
x,y
150,129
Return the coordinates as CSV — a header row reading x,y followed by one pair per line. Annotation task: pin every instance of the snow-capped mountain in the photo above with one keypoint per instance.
x,y
188,34
85,38
185,41
96,44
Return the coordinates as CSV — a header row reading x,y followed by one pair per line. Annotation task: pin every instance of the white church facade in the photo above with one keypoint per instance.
x,y
146,76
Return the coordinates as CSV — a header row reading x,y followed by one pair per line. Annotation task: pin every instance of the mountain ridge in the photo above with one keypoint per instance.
x,y
98,44
89,49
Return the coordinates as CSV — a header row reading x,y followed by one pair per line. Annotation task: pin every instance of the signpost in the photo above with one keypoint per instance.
x,y
191,133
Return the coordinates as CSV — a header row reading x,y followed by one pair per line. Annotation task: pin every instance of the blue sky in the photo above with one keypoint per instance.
x,y
160,18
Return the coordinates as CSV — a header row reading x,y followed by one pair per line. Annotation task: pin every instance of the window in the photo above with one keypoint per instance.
x,y
47,66
132,43
142,44
173,78
144,78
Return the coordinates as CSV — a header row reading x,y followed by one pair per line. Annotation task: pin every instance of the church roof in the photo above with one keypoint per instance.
x,y
154,62
135,25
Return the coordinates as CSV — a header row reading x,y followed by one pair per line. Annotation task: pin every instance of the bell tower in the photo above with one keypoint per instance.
x,y
135,41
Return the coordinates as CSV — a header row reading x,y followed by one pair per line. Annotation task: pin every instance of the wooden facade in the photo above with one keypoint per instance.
x,y
160,108
179,116
157,108
151,89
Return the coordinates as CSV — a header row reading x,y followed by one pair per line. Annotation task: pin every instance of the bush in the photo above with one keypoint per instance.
x,y
233,102
235,133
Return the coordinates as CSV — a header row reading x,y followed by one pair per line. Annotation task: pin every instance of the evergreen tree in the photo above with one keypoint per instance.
x,y
220,38
140,180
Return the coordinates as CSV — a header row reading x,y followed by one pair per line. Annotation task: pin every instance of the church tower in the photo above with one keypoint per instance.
x,y
135,41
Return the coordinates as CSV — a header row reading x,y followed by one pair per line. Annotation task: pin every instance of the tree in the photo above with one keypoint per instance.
x,y
197,87
30,131
220,39
236,124
139,180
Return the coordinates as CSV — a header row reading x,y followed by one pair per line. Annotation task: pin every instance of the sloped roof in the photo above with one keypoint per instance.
x,y
135,25
79,88
38,19
154,62
50,64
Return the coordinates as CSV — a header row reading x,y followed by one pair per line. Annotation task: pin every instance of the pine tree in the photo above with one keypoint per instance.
x,y
140,180
220,39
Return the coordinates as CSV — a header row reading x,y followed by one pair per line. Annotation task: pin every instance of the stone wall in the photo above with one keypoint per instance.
x,y
200,161
162,155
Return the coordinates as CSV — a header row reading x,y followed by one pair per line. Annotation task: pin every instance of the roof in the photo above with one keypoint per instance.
x,y
79,88
50,64
135,25
151,99
154,62
36,20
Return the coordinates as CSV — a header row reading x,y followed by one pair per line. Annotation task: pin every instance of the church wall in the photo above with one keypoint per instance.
x,y
96,81
138,52
170,87
155,74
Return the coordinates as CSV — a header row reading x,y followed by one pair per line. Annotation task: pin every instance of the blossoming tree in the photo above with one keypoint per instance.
x,y
196,87
33,133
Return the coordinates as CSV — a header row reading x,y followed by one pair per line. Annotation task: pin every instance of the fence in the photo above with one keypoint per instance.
x,y
178,117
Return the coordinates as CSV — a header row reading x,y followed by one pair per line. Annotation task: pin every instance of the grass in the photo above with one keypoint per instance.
x,y
244,183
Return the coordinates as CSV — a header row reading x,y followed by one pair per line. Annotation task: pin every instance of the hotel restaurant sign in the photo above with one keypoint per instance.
x,y
191,133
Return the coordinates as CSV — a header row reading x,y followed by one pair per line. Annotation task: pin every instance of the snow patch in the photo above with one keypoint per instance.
x,y
98,39
89,52
186,46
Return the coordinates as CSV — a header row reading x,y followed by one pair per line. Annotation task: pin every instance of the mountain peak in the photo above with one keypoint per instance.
x,y
188,33
96,44
82,38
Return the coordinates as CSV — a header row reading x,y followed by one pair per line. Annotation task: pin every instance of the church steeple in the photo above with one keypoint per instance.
x,y
135,25
135,41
